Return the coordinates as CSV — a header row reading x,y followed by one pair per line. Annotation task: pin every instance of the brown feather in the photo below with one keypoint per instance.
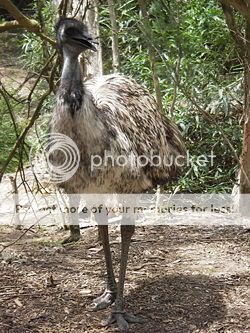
x,y
121,117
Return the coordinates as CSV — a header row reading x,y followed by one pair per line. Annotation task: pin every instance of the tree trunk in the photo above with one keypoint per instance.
x,y
245,155
243,43
148,37
242,6
115,48
93,64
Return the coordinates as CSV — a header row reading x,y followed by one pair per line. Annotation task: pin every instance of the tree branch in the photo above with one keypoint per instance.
x,y
34,117
21,21
242,6
236,34
5,26
147,31
4,247
115,47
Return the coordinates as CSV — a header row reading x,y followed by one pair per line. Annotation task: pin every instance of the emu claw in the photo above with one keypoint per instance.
x,y
105,300
71,239
123,320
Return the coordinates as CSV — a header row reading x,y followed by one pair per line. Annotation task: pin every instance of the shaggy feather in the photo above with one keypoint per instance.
x,y
120,117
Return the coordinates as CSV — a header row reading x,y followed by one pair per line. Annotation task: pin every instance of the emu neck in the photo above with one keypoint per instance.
x,y
71,72
71,92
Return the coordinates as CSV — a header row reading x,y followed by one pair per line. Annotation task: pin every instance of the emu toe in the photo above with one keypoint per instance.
x,y
122,319
74,236
105,300
70,239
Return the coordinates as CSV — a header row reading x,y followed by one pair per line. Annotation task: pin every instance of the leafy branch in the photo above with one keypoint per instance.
x,y
21,137
22,21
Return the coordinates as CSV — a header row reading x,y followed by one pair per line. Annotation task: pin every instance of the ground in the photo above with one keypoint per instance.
x,y
179,279
13,77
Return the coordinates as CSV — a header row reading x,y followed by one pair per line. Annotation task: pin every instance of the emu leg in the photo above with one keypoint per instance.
x,y
109,295
74,228
119,316
74,234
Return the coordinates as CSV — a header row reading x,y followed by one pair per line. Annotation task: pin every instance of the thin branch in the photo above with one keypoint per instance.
x,y
147,31
47,39
208,117
87,7
176,84
63,8
23,234
213,121
12,96
60,8
22,136
114,26
44,69
16,200
78,8
9,109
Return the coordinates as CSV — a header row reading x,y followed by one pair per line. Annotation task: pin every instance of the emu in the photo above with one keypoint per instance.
x,y
116,114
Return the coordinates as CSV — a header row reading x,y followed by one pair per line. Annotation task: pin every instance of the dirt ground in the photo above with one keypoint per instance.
x,y
12,75
179,279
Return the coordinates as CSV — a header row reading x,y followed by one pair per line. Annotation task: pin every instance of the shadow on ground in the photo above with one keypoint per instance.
x,y
178,303
171,304
165,283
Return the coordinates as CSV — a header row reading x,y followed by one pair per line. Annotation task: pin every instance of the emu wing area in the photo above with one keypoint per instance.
x,y
131,115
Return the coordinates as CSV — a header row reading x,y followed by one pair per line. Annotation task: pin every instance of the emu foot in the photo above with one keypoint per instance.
x,y
74,237
105,300
122,319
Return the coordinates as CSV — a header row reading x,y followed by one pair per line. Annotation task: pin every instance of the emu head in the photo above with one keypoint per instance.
x,y
73,37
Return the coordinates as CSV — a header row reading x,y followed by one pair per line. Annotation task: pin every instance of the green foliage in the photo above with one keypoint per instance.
x,y
36,52
9,131
194,35
204,138
7,135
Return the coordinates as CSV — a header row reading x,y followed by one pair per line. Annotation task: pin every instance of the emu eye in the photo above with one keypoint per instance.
x,y
72,31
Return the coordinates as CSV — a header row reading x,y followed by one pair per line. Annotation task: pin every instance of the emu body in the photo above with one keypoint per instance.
x,y
112,115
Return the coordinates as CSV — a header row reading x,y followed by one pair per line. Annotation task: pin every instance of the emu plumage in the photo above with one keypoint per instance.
x,y
117,116
112,115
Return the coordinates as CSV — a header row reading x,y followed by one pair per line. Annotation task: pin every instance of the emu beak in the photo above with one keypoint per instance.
x,y
86,40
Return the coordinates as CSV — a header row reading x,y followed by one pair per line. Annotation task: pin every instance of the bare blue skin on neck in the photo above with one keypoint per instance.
x,y
71,90
71,72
